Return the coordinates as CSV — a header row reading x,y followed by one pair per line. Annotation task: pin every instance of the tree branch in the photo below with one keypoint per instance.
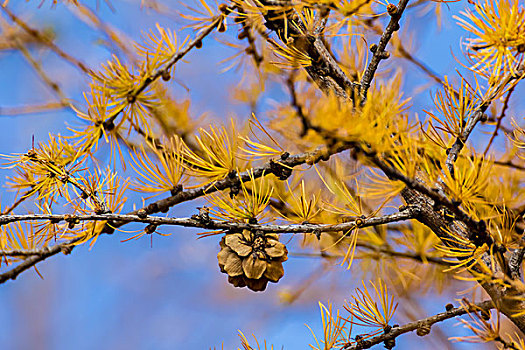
x,y
477,116
324,70
500,119
380,53
37,255
279,168
425,323
165,68
45,40
517,258
197,222
45,253
406,255
381,250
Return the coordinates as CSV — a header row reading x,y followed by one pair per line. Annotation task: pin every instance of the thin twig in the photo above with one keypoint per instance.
x,y
165,68
32,109
379,250
477,116
509,164
19,201
42,74
45,40
65,247
305,123
500,119
380,53
407,255
404,53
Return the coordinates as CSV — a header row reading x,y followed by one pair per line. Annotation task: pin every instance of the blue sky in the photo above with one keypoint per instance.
x,y
172,295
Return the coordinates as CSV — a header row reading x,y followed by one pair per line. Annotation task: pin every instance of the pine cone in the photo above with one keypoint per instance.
x,y
252,259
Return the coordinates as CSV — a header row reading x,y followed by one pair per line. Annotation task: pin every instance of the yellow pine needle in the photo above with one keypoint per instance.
x,y
456,106
460,252
365,308
469,180
248,205
260,148
218,153
154,178
333,329
304,209
200,15
157,49
292,57
246,344
484,330
17,236
498,35
352,204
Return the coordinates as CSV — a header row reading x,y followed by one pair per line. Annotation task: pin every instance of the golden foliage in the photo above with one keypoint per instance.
x,y
498,42
456,105
365,310
485,327
248,205
128,107
333,329
165,172
217,155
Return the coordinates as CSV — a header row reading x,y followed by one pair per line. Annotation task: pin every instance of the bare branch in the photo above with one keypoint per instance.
x,y
377,251
380,53
407,255
45,40
65,248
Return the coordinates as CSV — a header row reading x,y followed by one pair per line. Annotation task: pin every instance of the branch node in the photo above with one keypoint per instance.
x,y
66,249
390,343
150,229
224,8
166,75
280,170
391,9
423,330
203,216
131,98
176,190
317,234
384,55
